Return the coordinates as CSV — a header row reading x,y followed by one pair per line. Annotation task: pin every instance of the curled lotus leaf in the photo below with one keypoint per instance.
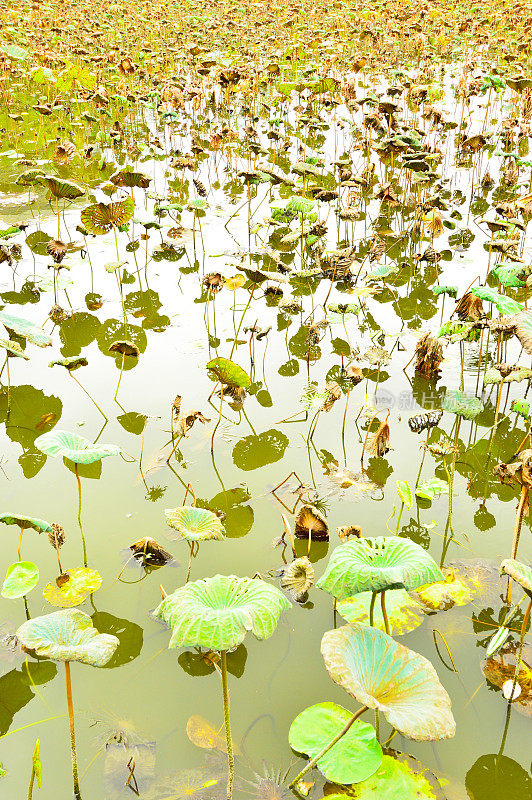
x,y
39,525
297,577
195,524
311,519
67,635
21,578
13,348
72,587
355,757
217,612
61,188
23,327
229,373
442,595
523,330
518,572
100,218
386,562
74,447
129,177
382,674
70,363
405,613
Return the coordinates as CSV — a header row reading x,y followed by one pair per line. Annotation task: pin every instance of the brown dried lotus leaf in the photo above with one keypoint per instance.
x,y
150,550
309,518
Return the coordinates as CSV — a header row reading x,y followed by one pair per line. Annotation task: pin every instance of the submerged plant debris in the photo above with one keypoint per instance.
x,y
282,254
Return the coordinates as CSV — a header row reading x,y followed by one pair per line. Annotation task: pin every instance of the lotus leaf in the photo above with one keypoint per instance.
x,y
23,327
100,218
229,373
518,572
382,674
355,757
387,562
399,777
462,404
39,525
404,613
195,524
72,587
74,447
21,578
67,635
216,612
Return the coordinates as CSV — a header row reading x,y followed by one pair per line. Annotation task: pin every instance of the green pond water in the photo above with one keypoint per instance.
x,y
145,696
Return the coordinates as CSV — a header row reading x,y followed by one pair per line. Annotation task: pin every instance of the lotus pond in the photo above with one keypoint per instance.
x,y
265,361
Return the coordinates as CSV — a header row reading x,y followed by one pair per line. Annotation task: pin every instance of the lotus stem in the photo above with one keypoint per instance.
x,y
75,778
20,542
372,607
79,517
120,377
384,613
517,534
311,764
191,556
227,722
377,725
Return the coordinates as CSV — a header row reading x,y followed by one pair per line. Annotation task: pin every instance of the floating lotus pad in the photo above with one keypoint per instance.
x,y
382,674
386,562
67,635
74,447
72,587
217,612
21,578
355,757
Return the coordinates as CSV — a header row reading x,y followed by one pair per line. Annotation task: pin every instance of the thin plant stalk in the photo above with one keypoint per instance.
x,y
227,723
517,534
78,479
311,764
384,613
372,608
75,779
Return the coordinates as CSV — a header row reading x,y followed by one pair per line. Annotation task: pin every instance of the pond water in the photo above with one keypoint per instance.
x,y
140,703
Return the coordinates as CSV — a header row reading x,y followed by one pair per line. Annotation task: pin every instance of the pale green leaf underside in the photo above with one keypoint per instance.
x,y
67,635
74,447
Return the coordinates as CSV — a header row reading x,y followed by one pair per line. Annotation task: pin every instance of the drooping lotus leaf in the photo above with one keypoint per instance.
x,y
399,777
518,572
492,375
216,612
195,524
229,373
434,487
355,757
23,327
39,525
61,188
74,447
130,177
463,405
21,578
67,635
404,613
72,587
452,291
506,275
100,218
382,674
386,562
523,330
504,304
70,363
13,348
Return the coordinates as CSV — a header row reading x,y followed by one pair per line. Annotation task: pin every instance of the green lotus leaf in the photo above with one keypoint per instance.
x,y
386,562
405,614
382,674
67,635
255,451
30,177
432,488
100,218
352,759
62,189
23,327
399,777
194,524
504,304
442,595
521,407
13,348
404,490
39,525
21,578
72,587
229,373
463,405
70,363
506,275
216,612
518,572
452,291
74,447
